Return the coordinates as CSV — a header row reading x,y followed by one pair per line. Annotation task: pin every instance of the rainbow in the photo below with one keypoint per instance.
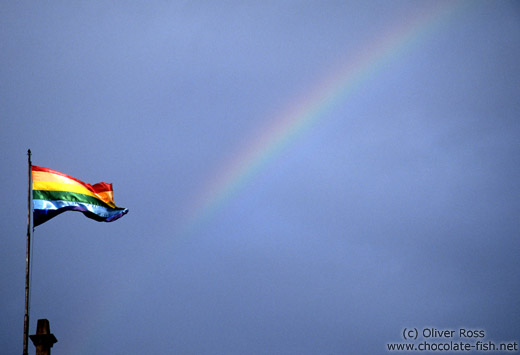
x,y
310,109
289,125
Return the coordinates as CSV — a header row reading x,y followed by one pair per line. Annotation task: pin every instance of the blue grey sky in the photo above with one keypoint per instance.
x,y
398,208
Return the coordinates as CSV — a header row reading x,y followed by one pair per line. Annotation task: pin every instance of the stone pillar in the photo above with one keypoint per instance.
x,y
43,340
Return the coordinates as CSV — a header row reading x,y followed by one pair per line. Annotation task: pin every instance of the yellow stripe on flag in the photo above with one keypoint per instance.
x,y
45,176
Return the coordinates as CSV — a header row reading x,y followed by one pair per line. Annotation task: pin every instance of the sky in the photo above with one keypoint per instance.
x,y
302,177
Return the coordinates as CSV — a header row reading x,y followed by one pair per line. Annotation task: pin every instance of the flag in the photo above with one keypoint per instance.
x,y
55,192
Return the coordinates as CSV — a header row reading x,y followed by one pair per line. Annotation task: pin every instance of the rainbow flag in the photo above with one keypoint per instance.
x,y
55,192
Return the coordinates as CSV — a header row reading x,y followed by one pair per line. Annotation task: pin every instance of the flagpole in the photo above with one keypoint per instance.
x,y
27,260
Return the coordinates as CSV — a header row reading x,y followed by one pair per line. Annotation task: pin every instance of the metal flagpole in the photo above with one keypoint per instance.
x,y
27,260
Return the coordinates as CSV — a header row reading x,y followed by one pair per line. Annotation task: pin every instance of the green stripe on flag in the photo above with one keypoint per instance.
x,y
67,196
